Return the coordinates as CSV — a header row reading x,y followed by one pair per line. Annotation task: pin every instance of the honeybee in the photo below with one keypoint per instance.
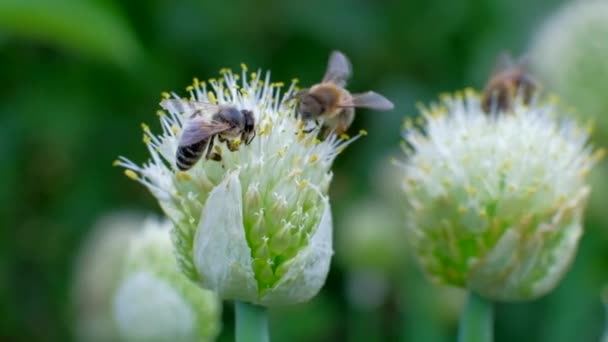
x,y
331,103
227,123
509,80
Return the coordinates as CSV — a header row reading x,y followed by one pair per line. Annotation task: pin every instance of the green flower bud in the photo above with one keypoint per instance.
x,y
255,227
570,53
495,202
155,301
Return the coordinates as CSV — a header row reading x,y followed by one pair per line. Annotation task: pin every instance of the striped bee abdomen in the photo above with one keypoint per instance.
x,y
187,156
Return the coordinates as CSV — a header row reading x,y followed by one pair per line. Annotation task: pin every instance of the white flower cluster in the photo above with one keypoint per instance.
x,y
155,301
495,202
256,226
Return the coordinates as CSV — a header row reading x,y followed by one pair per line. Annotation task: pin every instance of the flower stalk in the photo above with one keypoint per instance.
x,y
476,321
251,322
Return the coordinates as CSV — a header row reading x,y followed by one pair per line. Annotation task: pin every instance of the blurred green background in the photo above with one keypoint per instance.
x,y
79,76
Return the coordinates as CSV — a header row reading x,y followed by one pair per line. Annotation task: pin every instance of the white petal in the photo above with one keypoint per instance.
x,y
221,254
308,272
146,308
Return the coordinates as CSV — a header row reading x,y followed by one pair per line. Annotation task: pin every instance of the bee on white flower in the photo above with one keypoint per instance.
x,y
256,226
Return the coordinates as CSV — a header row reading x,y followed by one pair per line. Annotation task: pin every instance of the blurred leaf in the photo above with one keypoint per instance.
x,y
92,28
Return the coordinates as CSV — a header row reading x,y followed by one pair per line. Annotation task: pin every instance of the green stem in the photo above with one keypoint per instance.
x,y
476,320
251,322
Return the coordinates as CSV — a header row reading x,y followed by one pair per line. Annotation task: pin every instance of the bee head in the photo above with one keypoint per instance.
x,y
309,108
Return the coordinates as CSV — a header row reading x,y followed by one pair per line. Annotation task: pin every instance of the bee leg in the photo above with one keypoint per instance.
x,y
215,156
211,154
345,119
195,113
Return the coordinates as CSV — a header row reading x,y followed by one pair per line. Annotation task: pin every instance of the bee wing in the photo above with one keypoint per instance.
x,y
188,107
338,69
199,129
371,100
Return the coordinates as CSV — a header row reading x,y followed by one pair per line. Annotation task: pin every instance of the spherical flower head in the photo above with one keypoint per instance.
x,y
255,226
97,273
570,53
495,202
155,301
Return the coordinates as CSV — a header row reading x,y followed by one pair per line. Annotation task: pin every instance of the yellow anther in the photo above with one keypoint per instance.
x,y
425,168
316,141
145,127
165,95
344,136
224,70
264,130
445,96
281,152
211,97
160,112
599,154
303,184
295,80
363,132
411,181
278,84
313,159
175,129
295,172
182,176
195,82
471,191
244,67
189,88
253,75
300,136
506,165
131,174
116,163
146,139
407,123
